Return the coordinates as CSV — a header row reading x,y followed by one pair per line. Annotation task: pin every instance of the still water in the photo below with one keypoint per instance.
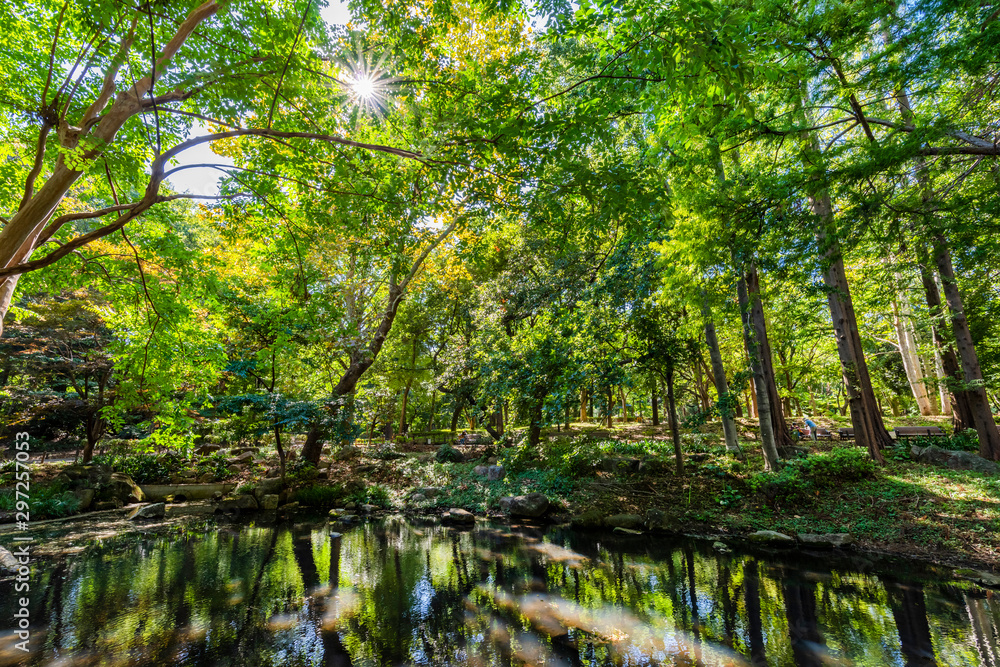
x,y
395,592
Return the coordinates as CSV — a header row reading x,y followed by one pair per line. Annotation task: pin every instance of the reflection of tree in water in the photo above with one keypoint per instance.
x,y
393,593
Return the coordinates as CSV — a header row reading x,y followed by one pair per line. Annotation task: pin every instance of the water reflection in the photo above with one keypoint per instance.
x,y
395,593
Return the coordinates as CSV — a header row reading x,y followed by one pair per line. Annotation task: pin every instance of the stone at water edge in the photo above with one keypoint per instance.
x,y
368,509
289,507
656,519
8,562
771,537
532,505
154,511
269,502
592,518
457,515
121,488
826,541
268,486
238,503
86,498
721,547
630,521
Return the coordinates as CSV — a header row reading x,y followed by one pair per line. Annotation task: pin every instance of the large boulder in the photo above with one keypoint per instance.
x,y
771,538
120,487
86,498
238,504
957,460
495,473
204,450
592,518
270,502
459,516
656,519
153,511
269,486
532,505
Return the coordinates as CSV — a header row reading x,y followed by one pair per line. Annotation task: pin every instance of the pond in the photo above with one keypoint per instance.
x,y
397,592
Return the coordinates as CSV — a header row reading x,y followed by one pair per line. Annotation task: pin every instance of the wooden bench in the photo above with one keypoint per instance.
x,y
845,433
918,431
821,434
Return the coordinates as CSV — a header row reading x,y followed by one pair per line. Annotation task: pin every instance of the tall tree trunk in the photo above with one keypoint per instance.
x,y
910,614
755,625
782,436
654,399
535,425
674,431
430,425
960,404
402,407
942,378
726,402
982,416
866,417
584,398
908,351
762,404
803,624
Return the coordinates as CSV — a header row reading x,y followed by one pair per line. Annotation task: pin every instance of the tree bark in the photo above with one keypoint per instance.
x,y
584,398
982,416
726,402
753,346
908,351
866,417
674,431
782,436
655,400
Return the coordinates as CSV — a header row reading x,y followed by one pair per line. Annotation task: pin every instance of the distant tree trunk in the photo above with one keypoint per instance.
x,y
672,407
430,425
908,351
653,397
94,430
610,409
726,402
942,378
590,405
782,436
803,625
535,426
982,416
457,412
584,398
762,404
281,450
402,409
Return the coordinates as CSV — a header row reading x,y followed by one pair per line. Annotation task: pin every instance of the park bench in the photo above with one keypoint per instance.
x,y
846,433
821,433
917,431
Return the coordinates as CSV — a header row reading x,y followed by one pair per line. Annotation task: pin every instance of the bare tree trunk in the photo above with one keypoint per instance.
x,y
982,416
584,398
674,432
654,398
942,385
726,402
762,403
908,351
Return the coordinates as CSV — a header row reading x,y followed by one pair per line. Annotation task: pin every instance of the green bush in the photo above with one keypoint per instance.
x,y
44,502
448,454
966,441
319,496
372,495
143,468
800,480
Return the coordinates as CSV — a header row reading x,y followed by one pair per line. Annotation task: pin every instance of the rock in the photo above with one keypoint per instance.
x,y
630,521
269,502
826,541
268,486
368,509
459,516
153,511
8,563
771,538
347,452
207,449
987,579
86,498
591,518
697,457
480,470
351,506
238,504
495,473
207,478
217,495
532,505
656,519
103,505
289,507
721,547
428,491
121,488
956,460
369,467
626,531
418,498
347,518
245,457
235,470
505,503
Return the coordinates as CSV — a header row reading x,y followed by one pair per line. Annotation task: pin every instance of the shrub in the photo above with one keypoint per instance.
x,y
800,480
448,454
319,496
966,441
44,502
143,468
